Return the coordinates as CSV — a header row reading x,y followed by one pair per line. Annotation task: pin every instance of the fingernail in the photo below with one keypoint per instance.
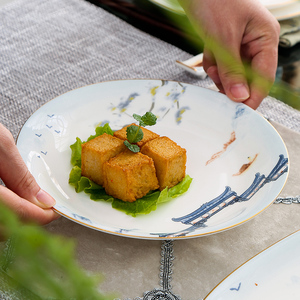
x,y
239,91
45,199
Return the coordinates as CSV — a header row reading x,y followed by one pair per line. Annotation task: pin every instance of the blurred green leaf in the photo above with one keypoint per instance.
x,y
283,92
37,263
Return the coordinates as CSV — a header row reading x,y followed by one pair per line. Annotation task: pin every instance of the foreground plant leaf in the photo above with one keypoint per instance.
x,y
38,265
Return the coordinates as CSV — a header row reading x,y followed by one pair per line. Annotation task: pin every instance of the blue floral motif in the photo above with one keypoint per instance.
x,y
240,112
176,95
125,231
179,113
172,97
81,218
173,101
240,109
123,105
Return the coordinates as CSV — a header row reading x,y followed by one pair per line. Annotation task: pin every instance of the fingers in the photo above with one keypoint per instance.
x,y
231,78
259,90
15,174
265,64
227,71
211,69
240,53
22,193
26,210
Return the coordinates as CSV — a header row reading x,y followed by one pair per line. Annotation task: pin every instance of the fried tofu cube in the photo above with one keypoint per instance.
x,y
148,135
96,152
169,160
129,176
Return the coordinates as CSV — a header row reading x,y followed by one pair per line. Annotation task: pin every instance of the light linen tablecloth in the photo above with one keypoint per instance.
x,y
50,47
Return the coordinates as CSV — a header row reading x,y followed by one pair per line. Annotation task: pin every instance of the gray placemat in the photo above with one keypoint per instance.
x,y
281,113
50,47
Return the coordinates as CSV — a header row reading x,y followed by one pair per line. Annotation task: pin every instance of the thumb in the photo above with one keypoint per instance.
x,y
234,81
15,174
26,210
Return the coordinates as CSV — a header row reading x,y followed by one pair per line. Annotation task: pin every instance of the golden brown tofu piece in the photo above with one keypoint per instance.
x,y
169,160
148,135
129,176
96,152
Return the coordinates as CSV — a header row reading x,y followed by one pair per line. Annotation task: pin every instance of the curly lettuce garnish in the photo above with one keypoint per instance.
x,y
144,205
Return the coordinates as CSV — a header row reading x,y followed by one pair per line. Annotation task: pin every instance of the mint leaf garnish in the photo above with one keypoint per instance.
x,y
135,133
148,119
132,147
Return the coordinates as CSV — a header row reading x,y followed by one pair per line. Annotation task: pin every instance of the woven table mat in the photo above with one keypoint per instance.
x,y
50,47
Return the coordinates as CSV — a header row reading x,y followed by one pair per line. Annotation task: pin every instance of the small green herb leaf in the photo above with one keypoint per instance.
x,y
148,119
134,134
138,118
132,147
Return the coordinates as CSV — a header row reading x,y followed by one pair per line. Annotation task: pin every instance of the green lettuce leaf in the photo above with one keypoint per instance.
x,y
180,188
75,176
144,205
76,153
149,203
76,147
100,130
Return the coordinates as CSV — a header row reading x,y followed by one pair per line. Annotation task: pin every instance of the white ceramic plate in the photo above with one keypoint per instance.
x,y
271,4
272,274
221,137
286,12
281,9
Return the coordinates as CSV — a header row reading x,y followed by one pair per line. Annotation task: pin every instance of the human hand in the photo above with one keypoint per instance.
x,y
22,194
234,33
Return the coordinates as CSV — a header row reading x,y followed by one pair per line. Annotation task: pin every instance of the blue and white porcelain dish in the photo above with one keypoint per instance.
x,y
272,274
238,161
